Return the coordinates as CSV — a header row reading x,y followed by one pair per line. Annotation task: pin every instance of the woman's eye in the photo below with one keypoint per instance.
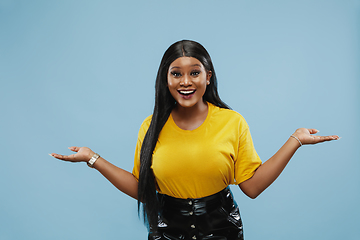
x,y
195,73
176,74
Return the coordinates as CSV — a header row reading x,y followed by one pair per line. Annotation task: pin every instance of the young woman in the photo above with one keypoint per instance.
x,y
190,150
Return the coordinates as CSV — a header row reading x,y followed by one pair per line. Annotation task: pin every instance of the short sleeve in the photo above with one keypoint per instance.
x,y
247,160
141,135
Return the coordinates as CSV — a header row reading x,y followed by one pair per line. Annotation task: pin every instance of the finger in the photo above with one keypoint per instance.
x,y
74,149
55,155
70,158
334,137
326,138
313,131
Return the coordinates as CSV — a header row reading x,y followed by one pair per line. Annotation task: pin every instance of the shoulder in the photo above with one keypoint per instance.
x,y
147,121
144,127
227,114
228,118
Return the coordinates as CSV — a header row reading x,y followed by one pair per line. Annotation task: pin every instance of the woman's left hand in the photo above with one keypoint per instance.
x,y
305,136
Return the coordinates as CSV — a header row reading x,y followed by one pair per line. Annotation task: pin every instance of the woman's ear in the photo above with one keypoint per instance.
x,y
209,74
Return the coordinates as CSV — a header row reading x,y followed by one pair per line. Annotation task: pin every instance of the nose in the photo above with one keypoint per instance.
x,y
185,81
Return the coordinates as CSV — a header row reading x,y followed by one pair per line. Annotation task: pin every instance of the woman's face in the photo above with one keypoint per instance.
x,y
187,79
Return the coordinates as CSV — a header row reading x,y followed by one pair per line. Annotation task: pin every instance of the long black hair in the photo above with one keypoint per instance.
x,y
164,103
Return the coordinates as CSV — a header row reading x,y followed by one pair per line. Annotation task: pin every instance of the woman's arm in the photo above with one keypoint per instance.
x,y
121,179
266,174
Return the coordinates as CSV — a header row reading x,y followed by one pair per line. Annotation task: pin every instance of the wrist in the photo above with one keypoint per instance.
x,y
92,160
293,136
89,156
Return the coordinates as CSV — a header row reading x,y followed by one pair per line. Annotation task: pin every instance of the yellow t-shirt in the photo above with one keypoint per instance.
x,y
200,162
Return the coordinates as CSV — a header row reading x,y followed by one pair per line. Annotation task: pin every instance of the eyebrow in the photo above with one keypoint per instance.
x,y
194,65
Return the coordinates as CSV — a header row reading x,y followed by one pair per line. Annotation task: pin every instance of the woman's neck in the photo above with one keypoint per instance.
x,y
190,118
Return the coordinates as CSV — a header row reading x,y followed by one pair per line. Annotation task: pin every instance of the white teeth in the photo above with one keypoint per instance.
x,y
187,92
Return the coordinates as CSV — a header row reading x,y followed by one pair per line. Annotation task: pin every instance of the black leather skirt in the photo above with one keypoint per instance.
x,y
209,218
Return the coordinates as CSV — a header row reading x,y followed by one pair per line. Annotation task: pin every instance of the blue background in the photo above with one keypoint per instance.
x,y
82,73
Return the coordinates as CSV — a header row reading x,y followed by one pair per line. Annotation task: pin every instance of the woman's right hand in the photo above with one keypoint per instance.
x,y
83,154
120,178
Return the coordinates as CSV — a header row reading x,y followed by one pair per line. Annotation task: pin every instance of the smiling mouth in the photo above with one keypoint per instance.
x,y
186,92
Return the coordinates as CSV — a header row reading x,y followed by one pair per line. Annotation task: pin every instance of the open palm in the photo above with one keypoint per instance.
x,y
305,135
83,154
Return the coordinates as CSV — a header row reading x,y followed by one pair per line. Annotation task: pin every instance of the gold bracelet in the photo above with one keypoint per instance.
x,y
92,160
